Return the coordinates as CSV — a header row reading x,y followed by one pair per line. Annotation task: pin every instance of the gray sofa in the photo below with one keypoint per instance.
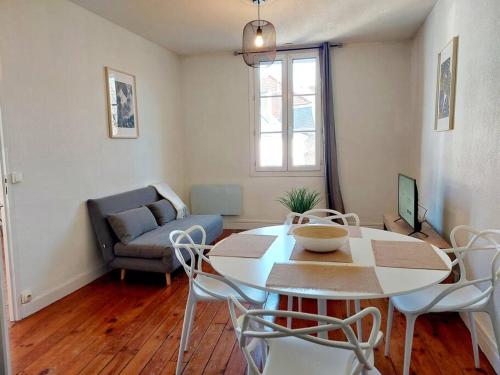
x,y
152,250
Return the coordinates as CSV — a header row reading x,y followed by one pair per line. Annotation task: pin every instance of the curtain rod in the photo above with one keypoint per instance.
x,y
298,48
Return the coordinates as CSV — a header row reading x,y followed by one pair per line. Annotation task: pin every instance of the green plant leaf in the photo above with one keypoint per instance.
x,y
300,200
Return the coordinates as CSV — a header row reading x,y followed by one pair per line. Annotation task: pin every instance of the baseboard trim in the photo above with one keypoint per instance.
x,y
61,291
486,342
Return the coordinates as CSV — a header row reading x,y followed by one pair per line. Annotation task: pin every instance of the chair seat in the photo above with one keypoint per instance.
x,y
412,302
292,355
225,290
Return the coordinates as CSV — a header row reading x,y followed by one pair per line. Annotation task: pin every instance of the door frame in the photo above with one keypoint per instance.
x,y
10,274
14,307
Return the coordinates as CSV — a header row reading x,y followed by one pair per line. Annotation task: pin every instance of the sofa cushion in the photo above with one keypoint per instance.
x,y
156,244
163,211
130,224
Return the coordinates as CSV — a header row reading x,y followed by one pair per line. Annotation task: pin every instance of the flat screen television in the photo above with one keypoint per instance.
x,y
408,201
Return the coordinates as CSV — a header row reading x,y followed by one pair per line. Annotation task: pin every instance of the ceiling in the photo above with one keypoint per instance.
x,y
198,26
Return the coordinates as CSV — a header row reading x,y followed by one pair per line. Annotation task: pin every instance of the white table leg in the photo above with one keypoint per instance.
x,y
322,311
289,307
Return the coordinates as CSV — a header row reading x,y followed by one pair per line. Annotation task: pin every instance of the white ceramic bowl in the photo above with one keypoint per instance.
x,y
321,238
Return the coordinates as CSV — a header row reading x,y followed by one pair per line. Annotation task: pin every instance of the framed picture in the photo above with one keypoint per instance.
x,y
122,104
445,88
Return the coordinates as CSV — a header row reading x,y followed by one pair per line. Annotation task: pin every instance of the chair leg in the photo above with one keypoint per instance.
x,y
473,333
262,343
264,353
359,325
185,334
168,279
122,274
410,326
289,307
192,314
390,316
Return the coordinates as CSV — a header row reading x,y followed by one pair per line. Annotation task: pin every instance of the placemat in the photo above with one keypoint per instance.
x,y
405,254
342,255
332,277
243,246
354,232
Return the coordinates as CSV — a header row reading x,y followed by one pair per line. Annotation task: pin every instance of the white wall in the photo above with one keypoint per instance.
x,y
373,124
52,93
458,170
217,142
371,110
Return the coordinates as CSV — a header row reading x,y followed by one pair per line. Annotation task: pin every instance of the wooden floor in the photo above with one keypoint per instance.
x,y
134,327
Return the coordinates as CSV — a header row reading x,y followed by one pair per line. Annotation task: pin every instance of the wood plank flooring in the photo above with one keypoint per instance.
x,y
134,327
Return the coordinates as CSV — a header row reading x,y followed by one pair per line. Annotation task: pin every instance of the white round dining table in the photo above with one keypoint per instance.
x,y
393,281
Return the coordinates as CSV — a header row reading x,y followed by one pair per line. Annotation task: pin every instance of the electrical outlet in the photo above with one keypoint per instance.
x,y
26,296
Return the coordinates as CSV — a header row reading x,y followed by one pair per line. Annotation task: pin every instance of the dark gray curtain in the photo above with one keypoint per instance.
x,y
333,194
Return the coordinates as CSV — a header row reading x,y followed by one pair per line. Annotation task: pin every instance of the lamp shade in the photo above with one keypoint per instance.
x,y
259,42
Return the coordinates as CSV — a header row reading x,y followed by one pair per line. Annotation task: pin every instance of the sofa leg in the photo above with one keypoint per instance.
x,y
168,278
122,274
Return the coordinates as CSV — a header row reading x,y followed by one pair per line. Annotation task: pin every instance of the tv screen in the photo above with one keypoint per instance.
x,y
408,201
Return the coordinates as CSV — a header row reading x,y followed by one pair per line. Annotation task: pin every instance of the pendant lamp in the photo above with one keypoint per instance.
x,y
259,40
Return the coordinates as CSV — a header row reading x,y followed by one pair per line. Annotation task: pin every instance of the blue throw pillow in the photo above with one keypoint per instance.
x,y
130,224
163,211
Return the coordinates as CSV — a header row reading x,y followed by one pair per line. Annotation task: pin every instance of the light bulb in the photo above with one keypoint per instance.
x,y
259,41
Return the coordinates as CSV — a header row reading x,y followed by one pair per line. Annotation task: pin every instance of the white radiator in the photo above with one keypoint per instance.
x,y
216,199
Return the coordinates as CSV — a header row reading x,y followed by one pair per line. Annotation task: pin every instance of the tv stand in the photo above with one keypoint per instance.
x,y
412,233
426,233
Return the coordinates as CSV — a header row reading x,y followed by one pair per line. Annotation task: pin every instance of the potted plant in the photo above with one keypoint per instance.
x,y
300,200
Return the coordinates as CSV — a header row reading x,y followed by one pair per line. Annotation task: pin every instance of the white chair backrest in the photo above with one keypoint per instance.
x,y
183,242
479,240
323,216
253,325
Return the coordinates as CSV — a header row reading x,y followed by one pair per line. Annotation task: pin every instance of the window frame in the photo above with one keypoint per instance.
x,y
287,168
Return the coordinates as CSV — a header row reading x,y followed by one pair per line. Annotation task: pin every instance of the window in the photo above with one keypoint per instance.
x,y
287,133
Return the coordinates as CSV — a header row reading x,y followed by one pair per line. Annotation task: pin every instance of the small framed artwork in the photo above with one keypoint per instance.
x,y
445,88
122,104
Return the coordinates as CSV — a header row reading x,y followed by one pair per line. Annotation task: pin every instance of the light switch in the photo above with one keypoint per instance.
x,y
16,177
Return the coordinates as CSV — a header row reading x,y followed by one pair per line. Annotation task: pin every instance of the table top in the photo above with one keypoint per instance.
x,y
394,281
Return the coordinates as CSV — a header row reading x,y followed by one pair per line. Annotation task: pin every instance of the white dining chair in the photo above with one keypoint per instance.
x,y
468,296
323,215
330,217
298,351
204,286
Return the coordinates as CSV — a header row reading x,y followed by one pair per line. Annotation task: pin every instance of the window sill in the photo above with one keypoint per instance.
x,y
254,173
